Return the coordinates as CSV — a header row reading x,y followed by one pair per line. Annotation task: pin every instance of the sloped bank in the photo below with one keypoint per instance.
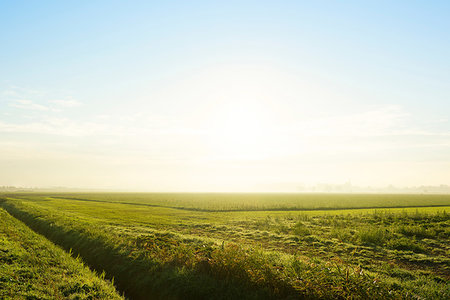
x,y
31,267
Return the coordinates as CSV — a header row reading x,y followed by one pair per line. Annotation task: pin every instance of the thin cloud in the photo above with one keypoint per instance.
x,y
143,126
68,103
37,100
30,105
376,122
10,93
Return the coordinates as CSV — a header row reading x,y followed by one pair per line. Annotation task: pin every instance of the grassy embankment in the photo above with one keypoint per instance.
x,y
212,252
31,267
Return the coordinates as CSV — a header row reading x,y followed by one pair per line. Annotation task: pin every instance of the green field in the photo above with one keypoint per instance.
x,y
252,246
260,202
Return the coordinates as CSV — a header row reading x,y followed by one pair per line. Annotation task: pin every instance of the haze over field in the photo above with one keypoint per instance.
x,y
233,96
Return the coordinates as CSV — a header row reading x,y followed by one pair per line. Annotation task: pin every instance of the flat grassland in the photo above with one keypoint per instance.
x,y
252,246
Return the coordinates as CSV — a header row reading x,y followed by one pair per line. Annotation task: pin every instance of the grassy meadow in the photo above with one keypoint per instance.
x,y
31,267
252,246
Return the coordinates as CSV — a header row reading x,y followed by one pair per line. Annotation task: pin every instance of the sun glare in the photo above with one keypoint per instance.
x,y
243,119
240,131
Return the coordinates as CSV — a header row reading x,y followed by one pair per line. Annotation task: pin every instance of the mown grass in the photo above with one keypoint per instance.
x,y
33,268
164,252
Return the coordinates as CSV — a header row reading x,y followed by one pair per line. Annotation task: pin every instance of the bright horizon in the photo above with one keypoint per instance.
x,y
242,96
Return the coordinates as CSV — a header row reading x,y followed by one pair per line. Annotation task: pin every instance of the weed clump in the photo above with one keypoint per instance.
x,y
374,236
300,229
406,245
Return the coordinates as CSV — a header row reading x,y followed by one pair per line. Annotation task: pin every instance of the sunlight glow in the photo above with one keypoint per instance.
x,y
240,131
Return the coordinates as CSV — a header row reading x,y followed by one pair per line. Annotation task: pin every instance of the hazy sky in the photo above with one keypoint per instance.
x,y
224,95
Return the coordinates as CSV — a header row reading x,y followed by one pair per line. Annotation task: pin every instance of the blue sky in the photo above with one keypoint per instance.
x,y
224,96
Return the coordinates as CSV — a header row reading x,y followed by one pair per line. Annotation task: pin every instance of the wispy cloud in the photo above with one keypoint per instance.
x,y
13,91
55,126
37,100
10,93
373,122
139,126
30,105
66,103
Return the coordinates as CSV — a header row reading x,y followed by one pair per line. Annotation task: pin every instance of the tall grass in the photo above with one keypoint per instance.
x,y
374,236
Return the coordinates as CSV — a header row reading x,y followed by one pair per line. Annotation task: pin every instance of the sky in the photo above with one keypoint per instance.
x,y
224,96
